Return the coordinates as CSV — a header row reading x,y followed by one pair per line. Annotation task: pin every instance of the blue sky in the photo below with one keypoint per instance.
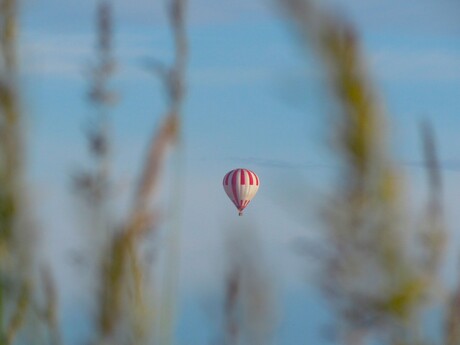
x,y
255,99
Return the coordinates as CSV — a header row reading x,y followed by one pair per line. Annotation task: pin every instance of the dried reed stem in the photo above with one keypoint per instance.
x,y
20,310
452,324
50,312
95,184
433,228
249,310
370,277
15,239
175,84
232,295
125,265
10,148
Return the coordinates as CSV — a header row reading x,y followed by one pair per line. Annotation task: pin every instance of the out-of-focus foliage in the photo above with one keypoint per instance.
x,y
16,237
125,297
375,271
123,292
249,308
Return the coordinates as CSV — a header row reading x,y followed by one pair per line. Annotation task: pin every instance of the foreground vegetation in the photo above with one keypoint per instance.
x,y
377,272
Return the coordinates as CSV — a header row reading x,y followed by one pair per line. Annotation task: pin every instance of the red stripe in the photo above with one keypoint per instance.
x,y
257,179
244,204
243,175
235,196
226,178
251,179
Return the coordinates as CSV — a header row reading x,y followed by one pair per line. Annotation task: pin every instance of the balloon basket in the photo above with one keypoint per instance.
x,y
240,213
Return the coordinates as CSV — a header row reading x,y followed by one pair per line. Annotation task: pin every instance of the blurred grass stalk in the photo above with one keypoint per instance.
x,y
175,84
374,272
124,309
114,253
93,185
249,308
16,238
127,311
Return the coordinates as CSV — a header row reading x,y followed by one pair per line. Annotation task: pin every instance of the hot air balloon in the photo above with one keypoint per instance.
x,y
241,185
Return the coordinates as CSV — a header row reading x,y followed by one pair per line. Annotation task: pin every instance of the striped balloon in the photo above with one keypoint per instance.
x,y
241,185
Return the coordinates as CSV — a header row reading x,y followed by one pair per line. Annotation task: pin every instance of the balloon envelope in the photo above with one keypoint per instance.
x,y
241,185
